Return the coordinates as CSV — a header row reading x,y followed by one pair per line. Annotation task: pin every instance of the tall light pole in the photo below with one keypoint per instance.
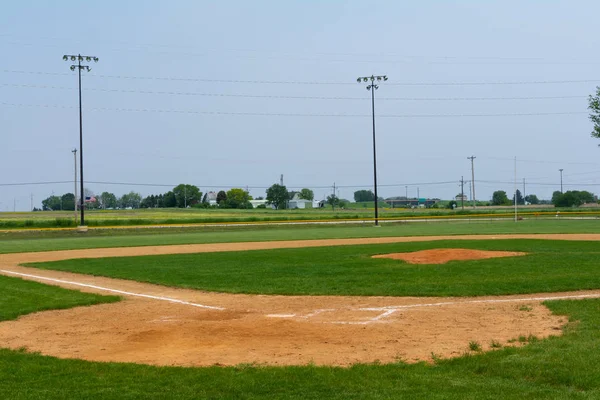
x,y
561,189
74,151
79,58
372,86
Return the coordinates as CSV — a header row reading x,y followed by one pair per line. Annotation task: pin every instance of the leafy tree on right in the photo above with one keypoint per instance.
x,y
594,107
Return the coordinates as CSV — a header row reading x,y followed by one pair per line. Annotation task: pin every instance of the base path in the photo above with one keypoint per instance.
x,y
167,326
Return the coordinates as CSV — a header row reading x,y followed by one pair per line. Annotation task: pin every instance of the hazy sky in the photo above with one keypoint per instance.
x,y
166,68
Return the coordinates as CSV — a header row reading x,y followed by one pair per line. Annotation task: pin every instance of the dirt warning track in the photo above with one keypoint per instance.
x,y
168,326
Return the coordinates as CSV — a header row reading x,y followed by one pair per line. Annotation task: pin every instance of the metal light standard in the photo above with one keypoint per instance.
x,y
372,86
79,58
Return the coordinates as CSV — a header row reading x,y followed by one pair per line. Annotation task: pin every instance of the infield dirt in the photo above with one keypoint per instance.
x,y
272,330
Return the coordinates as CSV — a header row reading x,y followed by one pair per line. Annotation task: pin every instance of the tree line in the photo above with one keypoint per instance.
x,y
571,198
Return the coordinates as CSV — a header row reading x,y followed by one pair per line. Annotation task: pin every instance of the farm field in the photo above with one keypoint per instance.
x,y
141,217
532,343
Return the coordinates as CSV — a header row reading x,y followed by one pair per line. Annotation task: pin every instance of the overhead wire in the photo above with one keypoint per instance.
x,y
290,82
265,114
177,93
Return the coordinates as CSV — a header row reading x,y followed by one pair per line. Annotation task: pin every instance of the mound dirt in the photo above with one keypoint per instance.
x,y
442,256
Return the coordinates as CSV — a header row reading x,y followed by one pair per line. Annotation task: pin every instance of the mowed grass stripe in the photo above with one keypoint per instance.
x,y
24,241
550,266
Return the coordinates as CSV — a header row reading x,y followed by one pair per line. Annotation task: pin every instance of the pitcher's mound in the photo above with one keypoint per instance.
x,y
442,256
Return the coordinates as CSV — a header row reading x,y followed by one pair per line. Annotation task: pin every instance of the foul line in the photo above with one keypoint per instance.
x,y
449,303
187,303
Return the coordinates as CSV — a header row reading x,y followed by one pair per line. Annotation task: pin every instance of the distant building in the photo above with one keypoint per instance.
x,y
297,202
211,198
461,198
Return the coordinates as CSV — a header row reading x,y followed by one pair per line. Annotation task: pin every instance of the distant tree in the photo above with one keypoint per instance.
x,y
131,199
169,200
452,204
149,201
277,195
520,199
205,198
556,195
187,195
68,201
52,203
572,198
499,198
594,107
108,200
532,199
333,201
307,194
363,195
221,197
238,198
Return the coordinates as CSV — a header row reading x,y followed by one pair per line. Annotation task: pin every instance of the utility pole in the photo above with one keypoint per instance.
x,y
185,197
333,202
14,204
523,191
462,192
561,188
516,202
281,180
372,86
74,151
31,201
79,58
472,158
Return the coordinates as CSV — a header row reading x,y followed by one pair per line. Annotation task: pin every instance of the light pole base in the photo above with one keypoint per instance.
x,y
82,229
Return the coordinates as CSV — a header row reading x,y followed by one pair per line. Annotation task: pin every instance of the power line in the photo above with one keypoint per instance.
x,y
150,110
176,93
34,183
288,82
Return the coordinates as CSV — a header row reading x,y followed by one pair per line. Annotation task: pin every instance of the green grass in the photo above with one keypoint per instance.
x,y
20,297
49,219
23,241
556,368
350,270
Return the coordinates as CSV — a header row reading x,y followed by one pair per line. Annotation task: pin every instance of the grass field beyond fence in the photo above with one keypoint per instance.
x,y
24,241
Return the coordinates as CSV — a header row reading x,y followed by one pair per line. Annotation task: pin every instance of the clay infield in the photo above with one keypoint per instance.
x,y
168,326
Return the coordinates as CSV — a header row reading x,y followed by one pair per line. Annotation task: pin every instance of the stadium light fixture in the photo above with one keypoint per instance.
x,y
79,58
372,87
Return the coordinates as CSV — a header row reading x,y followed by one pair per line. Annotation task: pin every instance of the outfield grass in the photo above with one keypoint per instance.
x,y
556,368
550,266
562,367
24,241
20,297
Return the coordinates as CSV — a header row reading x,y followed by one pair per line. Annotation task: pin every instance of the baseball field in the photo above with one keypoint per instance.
x,y
442,310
